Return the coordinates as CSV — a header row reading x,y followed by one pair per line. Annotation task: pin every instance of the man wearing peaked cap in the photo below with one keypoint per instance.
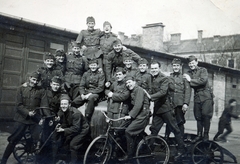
x,y
29,98
180,95
90,19
61,60
142,61
107,23
203,101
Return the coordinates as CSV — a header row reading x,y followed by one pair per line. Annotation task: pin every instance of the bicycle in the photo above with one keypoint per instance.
x,y
27,150
150,149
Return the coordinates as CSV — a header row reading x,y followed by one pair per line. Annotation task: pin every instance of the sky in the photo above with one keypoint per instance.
x,y
214,17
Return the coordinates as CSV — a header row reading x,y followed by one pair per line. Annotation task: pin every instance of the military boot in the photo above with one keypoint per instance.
x,y
198,138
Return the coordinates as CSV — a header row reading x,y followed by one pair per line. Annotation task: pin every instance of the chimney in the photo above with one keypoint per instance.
x,y
200,32
152,37
216,38
176,38
121,36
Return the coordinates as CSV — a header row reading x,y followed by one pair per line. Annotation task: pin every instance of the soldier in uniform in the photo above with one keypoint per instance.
x,y
143,78
181,95
138,116
129,68
61,60
49,70
91,86
73,130
203,97
106,42
54,94
118,97
90,41
77,64
29,97
163,109
115,59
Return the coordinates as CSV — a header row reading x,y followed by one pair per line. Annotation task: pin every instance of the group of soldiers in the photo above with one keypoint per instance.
x,y
100,68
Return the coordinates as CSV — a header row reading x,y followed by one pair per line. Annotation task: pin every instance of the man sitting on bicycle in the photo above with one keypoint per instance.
x,y
29,97
138,117
73,130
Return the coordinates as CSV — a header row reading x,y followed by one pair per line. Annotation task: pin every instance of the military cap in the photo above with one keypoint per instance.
x,y
75,44
127,58
176,61
93,61
117,41
36,75
128,77
48,55
191,58
59,52
119,69
56,79
142,61
107,23
90,19
65,97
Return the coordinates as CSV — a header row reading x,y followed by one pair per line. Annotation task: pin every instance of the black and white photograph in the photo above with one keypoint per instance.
x,y
119,82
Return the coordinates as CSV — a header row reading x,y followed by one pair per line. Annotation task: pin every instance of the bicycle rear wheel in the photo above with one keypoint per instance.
x,y
152,149
98,152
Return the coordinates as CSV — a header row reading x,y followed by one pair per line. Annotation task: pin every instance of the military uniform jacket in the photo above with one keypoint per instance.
x,y
92,82
91,39
115,59
182,90
199,82
75,67
143,79
140,103
54,100
28,99
106,42
159,94
120,101
130,72
72,121
61,67
47,74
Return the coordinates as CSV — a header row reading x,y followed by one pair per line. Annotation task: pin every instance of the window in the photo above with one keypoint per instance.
x,y
231,63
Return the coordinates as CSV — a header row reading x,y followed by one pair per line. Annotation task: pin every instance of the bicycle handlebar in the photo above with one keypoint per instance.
x,y
111,119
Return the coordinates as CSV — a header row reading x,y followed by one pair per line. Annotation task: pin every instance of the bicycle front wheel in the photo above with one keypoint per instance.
x,y
98,152
152,149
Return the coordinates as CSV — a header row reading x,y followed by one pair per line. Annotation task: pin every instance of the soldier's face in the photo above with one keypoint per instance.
x,y
60,58
55,86
143,67
33,81
64,105
176,67
117,47
49,63
76,50
107,29
120,76
93,67
193,64
155,69
130,84
90,25
128,63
